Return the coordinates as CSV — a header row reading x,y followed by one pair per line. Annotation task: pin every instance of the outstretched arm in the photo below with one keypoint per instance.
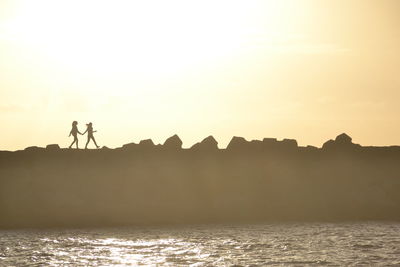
x,y
70,133
84,132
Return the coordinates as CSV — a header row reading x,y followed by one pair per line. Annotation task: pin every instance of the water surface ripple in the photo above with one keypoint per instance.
x,y
221,245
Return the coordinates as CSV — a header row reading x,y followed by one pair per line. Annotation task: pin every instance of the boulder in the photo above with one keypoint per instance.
x,y
53,147
312,147
173,142
341,142
289,143
343,139
146,144
208,144
237,143
256,142
34,148
129,146
270,140
270,143
328,144
256,145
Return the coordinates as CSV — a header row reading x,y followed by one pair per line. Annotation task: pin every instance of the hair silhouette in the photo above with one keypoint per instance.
x,y
74,132
89,131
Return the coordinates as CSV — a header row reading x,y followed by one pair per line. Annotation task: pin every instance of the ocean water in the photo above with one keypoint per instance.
x,y
291,244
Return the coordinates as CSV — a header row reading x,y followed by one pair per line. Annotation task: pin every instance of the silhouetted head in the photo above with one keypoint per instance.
x,y
74,123
89,124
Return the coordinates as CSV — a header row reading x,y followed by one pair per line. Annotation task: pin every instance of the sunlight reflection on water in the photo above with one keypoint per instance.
x,y
242,245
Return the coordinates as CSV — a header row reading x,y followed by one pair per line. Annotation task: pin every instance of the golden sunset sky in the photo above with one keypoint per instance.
x,y
303,69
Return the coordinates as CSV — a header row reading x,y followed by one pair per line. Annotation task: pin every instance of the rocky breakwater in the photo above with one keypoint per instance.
x,y
249,181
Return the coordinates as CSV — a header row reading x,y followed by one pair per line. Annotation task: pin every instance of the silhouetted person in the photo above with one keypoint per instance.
x,y
90,132
74,132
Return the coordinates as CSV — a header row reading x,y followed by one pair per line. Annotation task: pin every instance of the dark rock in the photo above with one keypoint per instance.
x,y
289,143
53,147
256,142
34,148
256,145
147,143
328,144
173,142
307,149
208,144
237,143
129,146
341,142
270,143
343,139
105,148
270,140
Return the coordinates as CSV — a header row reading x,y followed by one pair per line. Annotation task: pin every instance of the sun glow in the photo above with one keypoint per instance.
x,y
134,36
98,56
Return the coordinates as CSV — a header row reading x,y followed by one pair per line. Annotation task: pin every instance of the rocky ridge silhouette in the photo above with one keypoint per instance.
x,y
342,141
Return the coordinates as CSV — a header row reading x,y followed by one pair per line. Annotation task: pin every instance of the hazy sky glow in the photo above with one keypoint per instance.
x,y
304,69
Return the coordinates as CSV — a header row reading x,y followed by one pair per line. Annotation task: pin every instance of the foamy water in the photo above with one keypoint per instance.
x,y
240,245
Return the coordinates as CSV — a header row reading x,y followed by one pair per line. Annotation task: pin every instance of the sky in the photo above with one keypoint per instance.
x,y
302,69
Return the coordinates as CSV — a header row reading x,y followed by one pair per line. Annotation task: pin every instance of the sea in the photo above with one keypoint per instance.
x,y
275,244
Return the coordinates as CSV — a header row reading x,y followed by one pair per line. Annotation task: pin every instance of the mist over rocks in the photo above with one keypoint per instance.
x,y
249,181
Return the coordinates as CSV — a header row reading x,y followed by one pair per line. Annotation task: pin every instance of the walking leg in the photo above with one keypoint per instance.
x,y
94,140
73,142
88,140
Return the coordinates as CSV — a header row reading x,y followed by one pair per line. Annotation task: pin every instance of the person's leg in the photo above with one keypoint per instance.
x,y
87,142
94,140
73,142
77,143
